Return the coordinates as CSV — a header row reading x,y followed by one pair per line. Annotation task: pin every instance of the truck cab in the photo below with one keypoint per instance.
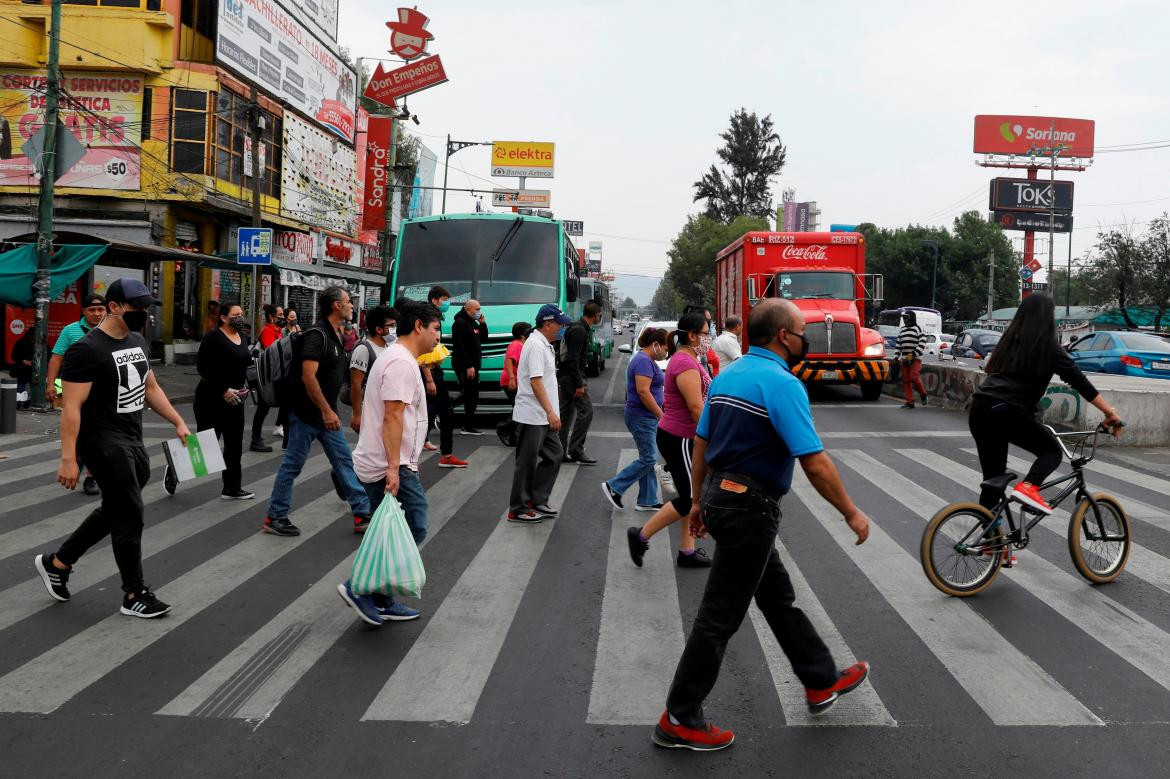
x,y
824,275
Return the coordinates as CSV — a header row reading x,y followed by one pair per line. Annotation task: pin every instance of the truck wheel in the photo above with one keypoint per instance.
x,y
871,390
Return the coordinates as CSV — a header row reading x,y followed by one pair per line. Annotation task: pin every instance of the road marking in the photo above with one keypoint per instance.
x,y
641,631
19,438
1143,563
46,467
252,680
445,670
861,707
1009,686
50,445
27,598
1130,636
50,680
613,380
896,433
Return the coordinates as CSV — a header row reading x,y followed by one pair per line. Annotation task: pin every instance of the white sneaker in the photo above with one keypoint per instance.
x,y
278,431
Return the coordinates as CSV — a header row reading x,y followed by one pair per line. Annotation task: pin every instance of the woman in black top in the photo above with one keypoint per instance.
x,y
219,399
1005,407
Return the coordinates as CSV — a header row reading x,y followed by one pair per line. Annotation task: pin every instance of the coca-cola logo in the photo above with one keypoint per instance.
x,y
814,252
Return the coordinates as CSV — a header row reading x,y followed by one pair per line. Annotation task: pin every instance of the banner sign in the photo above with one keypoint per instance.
x,y
1023,135
321,14
102,110
264,43
292,247
522,198
576,229
385,86
581,259
1031,222
1030,195
531,159
317,178
422,194
376,172
337,249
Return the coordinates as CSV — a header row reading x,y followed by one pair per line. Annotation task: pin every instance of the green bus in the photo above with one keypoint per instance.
x,y
511,263
601,345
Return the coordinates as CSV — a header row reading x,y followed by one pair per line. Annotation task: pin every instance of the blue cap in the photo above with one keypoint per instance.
x,y
130,291
548,312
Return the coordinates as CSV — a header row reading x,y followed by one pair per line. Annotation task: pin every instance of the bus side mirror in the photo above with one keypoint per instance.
x,y
571,288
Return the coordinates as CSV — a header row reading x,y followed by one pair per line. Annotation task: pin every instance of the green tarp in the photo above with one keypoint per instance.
x,y
1141,316
18,271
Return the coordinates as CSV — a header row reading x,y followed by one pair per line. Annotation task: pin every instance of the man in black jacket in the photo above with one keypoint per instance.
x,y
576,405
469,331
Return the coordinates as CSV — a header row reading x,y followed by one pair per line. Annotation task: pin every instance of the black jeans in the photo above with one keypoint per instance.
x,y
538,461
745,564
470,388
994,425
439,405
228,423
121,471
576,413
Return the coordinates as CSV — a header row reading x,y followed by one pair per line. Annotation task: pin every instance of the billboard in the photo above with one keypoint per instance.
x,y
1002,134
375,172
1030,195
321,15
533,159
522,198
264,43
100,110
422,193
317,178
1028,221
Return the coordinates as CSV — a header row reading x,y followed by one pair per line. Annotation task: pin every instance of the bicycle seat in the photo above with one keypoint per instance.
x,y
999,483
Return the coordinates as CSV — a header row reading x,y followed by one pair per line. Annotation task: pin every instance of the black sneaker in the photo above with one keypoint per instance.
x,y
55,579
638,547
614,498
924,400
236,495
143,605
170,481
906,405
470,431
525,517
647,506
697,560
543,509
280,527
260,446
582,459
89,486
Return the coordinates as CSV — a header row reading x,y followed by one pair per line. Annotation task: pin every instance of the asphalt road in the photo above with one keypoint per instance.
x,y
542,651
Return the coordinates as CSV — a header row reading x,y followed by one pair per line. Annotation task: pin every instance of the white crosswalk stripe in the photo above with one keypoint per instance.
x,y
49,466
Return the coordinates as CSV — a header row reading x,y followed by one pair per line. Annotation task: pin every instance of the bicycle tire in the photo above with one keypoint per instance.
x,y
1086,564
940,578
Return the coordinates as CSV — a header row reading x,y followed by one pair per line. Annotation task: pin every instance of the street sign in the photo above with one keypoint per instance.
x,y
1025,273
254,246
528,159
1030,195
385,86
576,229
1024,220
1034,286
527,198
69,152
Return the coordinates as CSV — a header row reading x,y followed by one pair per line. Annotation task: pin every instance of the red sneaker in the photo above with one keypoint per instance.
x,y
360,523
451,461
707,739
1029,495
820,701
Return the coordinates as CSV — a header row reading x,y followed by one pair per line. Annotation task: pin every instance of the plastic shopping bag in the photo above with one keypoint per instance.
x,y
388,561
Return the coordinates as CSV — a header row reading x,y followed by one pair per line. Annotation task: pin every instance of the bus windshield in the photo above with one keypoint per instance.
x,y
457,253
816,284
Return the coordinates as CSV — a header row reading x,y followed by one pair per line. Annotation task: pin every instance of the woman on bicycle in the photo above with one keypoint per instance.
x,y
1005,407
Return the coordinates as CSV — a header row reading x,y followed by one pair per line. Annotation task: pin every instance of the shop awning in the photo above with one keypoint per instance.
x,y
18,270
297,274
117,251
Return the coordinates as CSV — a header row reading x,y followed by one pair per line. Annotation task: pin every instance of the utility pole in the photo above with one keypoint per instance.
x,y
452,148
1068,281
990,285
45,210
933,244
1052,211
391,193
256,125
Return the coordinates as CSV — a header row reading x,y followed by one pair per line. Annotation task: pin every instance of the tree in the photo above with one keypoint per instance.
x,y
629,302
690,277
753,152
1116,273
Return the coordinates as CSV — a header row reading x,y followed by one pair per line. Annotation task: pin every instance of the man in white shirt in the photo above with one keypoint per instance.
x,y
538,448
394,412
381,331
727,345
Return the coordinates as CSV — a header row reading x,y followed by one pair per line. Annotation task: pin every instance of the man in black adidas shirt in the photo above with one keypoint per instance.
x,y
107,382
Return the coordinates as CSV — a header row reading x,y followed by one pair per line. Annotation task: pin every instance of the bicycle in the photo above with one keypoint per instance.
x,y
964,545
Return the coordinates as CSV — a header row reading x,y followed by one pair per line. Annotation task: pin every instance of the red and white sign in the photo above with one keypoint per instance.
x,y
385,86
64,310
376,173
337,249
1024,135
289,246
408,35
811,252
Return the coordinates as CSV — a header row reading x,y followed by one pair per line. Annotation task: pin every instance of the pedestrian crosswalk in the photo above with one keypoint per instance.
x,y
440,669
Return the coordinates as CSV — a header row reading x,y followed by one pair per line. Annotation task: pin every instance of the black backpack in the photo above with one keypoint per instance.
x,y
343,394
275,368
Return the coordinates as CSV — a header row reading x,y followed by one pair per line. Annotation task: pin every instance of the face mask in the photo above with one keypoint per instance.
x,y
561,332
711,329
704,344
478,315
444,306
390,337
795,359
135,320
238,323
280,321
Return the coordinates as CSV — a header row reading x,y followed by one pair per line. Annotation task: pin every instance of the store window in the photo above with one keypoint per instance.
x,y
189,131
231,130
196,30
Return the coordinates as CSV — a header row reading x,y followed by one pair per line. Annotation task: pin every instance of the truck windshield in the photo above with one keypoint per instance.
x,y
457,253
815,284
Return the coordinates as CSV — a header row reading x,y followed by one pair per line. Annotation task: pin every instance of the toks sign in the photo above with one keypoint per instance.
x,y
1025,135
1030,195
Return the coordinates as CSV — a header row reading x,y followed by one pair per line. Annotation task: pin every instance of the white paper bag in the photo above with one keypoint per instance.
x,y
196,457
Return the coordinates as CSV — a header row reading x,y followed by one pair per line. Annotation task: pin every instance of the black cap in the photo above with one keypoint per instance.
x,y
93,300
130,291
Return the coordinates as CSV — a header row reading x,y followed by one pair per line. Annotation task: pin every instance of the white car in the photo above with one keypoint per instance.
x,y
629,348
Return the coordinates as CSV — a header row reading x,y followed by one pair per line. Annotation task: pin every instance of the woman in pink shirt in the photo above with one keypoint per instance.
x,y
684,393
506,430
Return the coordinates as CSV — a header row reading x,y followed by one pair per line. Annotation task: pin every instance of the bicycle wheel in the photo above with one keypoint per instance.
x,y
959,556
1099,550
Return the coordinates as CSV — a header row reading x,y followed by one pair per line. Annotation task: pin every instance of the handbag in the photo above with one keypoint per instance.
x,y
388,562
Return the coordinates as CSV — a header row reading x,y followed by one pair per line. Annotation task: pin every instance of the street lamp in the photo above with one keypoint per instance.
x,y
453,147
933,244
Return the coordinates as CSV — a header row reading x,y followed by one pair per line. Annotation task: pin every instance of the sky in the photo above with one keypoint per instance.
x,y
875,102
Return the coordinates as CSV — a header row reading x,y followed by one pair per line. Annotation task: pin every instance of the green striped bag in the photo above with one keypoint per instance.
x,y
388,561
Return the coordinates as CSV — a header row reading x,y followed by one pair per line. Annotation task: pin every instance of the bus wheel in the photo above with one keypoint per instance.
x,y
600,367
871,390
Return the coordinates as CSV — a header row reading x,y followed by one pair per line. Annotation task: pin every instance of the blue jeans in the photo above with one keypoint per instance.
x,y
300,438
642,469
413,499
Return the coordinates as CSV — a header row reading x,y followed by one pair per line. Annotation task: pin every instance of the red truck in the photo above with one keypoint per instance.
x,y
824,275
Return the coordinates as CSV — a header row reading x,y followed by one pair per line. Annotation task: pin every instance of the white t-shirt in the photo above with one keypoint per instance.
x,y
394,376
536,359
726,346
360,359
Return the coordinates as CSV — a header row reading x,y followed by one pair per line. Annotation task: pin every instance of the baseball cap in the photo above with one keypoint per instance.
x,y
93,300
549,312
130,291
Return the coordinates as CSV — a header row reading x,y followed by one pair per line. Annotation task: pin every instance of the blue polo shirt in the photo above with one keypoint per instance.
x,y
757,420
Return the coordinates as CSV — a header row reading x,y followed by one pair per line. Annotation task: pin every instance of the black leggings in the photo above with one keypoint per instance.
x,y
994,425
228,423
677,454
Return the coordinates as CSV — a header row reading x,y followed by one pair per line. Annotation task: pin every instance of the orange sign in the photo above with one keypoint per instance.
x,y
1033,135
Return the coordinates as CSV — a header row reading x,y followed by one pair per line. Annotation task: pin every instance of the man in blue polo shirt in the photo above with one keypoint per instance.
x,y
754,427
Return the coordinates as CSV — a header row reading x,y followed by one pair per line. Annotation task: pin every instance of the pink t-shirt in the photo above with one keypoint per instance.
x,y
676,417
512,353
394,376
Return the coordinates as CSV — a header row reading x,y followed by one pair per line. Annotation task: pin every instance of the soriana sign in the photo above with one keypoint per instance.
x,y
1025,135
377,173
532,159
